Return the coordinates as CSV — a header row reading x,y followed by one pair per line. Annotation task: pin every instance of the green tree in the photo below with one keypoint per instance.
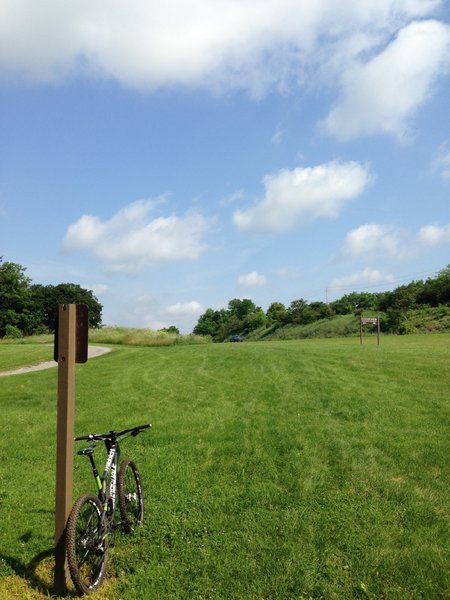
x,y
210,322
15,299
254,320
299,312
356,301
436,290
405,297
321,310
32,308
276,314
171,329
47,297
241,308
230,326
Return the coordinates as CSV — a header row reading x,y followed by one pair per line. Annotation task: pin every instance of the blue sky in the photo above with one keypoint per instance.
x,y
173,156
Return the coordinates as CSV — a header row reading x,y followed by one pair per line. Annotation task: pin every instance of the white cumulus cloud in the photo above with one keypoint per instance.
x,y
372,240
97,288
182,309
384,93
252,279
132,239
211,43
303,194
433,235
441,162
365,277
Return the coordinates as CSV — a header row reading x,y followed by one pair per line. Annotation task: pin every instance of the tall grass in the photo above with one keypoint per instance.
x,y
285,470
142,337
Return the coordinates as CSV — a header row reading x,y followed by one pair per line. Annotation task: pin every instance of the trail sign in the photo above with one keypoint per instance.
x,y
369,321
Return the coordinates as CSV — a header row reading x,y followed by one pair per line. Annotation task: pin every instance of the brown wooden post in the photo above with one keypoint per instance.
x,y
360,330
378,330
64,436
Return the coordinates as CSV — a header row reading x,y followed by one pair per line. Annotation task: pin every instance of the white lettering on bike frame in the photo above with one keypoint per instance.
x,y
111,464
112,485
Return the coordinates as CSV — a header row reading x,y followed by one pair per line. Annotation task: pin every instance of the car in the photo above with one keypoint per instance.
x,y
236,338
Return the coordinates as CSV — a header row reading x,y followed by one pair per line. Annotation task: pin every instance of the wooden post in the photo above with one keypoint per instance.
x,y
65,435
378,330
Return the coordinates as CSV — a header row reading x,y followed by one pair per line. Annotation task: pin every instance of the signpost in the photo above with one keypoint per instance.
x,y
71,346
369,321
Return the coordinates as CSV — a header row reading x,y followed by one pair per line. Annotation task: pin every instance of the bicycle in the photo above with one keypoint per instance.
x,y
92,520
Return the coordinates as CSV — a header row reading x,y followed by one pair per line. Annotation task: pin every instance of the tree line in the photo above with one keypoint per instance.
x,y
241,317
29,309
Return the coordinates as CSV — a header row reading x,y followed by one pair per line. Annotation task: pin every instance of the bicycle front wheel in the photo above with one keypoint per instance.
x,y
131,499
87,544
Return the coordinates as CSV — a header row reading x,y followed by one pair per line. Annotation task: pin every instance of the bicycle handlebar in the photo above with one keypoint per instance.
x,y
113,435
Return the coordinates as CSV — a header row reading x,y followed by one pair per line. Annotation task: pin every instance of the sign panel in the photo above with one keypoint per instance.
x,y
369,320
82,330
81,334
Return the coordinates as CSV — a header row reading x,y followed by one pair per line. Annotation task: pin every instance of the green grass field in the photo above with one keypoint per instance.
x,y
279,470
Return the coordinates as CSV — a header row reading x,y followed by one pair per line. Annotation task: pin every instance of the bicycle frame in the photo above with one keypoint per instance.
x,y
111,466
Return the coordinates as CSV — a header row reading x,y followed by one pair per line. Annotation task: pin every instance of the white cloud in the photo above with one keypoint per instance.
x,y
433,235
252,279
277,137
97,288
441,162
253,45
372,240
132,240
366,277
304,194
232,198
182,309
384,93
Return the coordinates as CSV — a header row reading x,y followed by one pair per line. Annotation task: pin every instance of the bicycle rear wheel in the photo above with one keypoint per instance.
x,y
87,544
131,498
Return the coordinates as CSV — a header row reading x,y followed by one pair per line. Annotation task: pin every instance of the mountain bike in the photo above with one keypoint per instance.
x,y
92,521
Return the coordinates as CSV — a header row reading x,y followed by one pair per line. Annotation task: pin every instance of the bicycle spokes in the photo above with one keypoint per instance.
x,y
87,544
131,501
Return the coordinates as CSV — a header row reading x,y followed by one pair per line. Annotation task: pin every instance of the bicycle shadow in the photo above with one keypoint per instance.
x,y
38,573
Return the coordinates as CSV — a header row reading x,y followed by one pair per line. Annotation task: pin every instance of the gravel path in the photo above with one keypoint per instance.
x,y
93,351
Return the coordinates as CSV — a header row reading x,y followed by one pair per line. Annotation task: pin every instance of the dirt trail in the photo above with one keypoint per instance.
x,y
93,351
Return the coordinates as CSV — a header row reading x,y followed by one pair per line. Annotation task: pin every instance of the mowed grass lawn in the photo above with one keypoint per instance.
x,y
278,470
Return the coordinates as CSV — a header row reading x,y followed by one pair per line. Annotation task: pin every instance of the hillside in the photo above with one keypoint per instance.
x,y
422,320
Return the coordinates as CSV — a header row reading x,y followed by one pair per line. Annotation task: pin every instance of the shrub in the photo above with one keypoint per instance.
x,y
12,332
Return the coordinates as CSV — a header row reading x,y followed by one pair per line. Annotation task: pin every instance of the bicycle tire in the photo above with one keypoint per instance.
x,y
130,496
86,545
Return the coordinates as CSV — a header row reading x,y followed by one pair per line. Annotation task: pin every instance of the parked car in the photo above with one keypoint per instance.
x,y
236,338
